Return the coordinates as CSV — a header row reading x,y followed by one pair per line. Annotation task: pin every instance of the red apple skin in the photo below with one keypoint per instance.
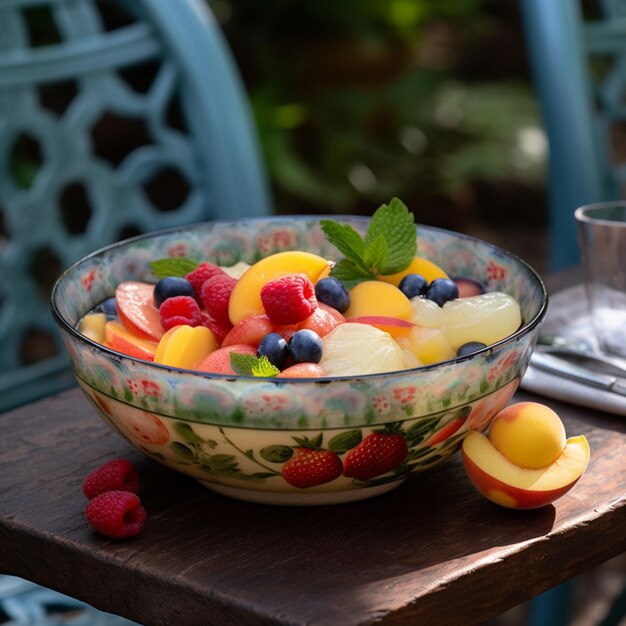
x,y
393,325
524,498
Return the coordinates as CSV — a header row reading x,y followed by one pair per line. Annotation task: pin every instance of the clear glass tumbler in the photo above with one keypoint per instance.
x,y
602,239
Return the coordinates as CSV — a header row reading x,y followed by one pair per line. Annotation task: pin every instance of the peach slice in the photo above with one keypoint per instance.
x,y
119,339
93,325
184,346
505,483
374,298
419,265
245,299
136,310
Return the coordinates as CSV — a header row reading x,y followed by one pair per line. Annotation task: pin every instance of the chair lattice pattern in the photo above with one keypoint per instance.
x,y
65,187
23,603
604,40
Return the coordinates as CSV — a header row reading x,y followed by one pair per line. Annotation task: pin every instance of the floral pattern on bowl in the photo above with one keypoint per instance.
x,y
237,434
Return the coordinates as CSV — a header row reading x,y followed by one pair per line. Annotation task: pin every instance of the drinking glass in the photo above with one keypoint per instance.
x,y
602,238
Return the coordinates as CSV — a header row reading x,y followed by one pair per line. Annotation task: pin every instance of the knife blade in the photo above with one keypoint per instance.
x,y
555,365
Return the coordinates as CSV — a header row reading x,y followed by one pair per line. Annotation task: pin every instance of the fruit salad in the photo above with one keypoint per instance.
x,y
294,314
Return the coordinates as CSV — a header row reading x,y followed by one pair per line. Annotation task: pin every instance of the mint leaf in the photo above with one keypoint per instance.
x,y
250,365
396,224
346,240
350,274
172,266
376,253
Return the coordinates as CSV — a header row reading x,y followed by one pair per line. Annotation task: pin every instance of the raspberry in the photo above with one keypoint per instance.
x,y
202,273
215,294
219,329
116,475
179,310
289,299
116,514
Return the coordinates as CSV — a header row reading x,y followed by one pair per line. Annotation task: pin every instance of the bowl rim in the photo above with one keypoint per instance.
x,y
523,330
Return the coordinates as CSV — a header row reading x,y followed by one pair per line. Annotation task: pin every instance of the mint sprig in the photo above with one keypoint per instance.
x,y
389,246
172,266
250,365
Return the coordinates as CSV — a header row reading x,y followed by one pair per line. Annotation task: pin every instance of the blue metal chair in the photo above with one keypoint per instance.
x,y
579,67
580,78
115,118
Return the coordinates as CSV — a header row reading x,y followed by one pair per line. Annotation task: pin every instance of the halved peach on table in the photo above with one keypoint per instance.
x,y
525,462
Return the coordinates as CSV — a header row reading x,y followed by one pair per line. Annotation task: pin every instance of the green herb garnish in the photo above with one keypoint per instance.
x,y
172,266
250,365
389,246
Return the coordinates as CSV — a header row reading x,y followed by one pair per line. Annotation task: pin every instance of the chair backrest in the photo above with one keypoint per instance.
x,y
115,118
580,76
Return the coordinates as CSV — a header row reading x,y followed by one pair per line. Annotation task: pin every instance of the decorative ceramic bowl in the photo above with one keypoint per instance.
x,y
239,435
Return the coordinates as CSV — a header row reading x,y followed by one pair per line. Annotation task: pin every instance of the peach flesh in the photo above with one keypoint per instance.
x,y
509,485
529,434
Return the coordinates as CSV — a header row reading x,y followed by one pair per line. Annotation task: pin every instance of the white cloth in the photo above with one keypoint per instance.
x,y
568,317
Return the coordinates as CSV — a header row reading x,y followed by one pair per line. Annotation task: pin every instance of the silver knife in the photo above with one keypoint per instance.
x,y
561,367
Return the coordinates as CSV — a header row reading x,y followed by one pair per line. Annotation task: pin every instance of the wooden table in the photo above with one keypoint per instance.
x,y
432,551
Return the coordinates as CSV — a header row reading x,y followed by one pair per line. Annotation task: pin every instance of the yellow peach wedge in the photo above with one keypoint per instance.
x,y
419,265
376,298
526,462
245,299
185,346
92,326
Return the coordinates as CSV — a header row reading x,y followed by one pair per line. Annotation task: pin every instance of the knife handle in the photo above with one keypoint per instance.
x,y
555,365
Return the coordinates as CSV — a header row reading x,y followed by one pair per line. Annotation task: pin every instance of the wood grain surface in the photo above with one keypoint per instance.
x,y
432,551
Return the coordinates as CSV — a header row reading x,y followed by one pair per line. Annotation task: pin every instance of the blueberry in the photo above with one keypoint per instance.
x,y
331,291
108,308
274,347
469,347
171,286
441,290
305,346
413,285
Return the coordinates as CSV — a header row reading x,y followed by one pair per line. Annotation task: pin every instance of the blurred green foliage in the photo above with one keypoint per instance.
x,y
360,100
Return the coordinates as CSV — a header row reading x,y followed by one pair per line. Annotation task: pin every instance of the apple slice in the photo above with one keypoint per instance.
x,y
509,485
395,326
468,287
119,339
136,310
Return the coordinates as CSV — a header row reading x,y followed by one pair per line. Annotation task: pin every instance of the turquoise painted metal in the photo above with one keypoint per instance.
x,y
187,150
580,105
62,196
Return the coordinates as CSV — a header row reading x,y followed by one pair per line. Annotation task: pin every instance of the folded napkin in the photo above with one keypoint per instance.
x,y
568,317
